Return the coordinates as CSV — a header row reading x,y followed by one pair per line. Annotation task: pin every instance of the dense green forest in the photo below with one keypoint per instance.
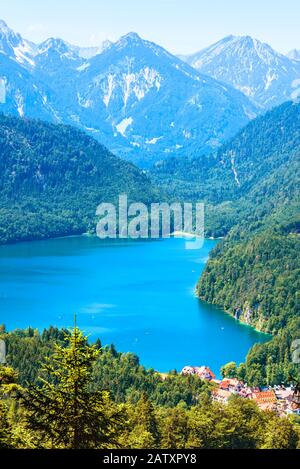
x,y
84,396
121,374
258,281
265,271
53,177
260,149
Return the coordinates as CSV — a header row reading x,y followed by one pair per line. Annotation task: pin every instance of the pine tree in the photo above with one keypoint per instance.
x,y
98,344
64,411
145,428
175,429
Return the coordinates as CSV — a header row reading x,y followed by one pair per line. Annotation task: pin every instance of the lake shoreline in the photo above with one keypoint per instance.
x,y
176,234
228,313
133,296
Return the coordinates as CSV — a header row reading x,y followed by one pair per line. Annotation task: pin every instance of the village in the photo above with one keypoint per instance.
x,y
279,399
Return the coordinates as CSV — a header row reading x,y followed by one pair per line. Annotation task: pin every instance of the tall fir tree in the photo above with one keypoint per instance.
x,y
63,410
145,427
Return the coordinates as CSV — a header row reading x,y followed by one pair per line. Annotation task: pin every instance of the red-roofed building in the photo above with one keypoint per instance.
x,y
266,400
231,384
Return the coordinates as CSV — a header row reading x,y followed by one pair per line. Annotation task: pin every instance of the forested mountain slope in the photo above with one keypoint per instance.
x,y
257,280
53,177
252,178
254,274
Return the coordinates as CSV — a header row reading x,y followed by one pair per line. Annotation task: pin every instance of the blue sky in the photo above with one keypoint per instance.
x,y
182,26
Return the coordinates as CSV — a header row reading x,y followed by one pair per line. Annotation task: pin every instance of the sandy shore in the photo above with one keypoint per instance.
x,y
183,234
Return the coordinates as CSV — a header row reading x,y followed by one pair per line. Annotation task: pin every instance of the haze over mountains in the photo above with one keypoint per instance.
x,y
139,100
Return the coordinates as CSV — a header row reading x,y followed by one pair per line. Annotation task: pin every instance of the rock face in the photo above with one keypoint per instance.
x,y
265,76
142,102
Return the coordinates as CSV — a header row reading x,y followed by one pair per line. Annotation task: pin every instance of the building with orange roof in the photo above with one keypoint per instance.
x,y
266,400
231,384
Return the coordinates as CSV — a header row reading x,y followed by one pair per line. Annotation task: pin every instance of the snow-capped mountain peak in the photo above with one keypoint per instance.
x,y
14,46
129,38
251,66
133,95
244,47
154,104
53,43
25,52
59,48
138,99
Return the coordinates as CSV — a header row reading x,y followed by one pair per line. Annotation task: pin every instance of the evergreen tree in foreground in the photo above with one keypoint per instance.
x,y
63,411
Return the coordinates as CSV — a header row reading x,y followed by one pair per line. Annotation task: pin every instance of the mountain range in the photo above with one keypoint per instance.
x,y
140,101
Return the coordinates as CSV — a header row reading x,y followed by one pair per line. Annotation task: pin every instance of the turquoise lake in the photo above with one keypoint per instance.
x,y
139,295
